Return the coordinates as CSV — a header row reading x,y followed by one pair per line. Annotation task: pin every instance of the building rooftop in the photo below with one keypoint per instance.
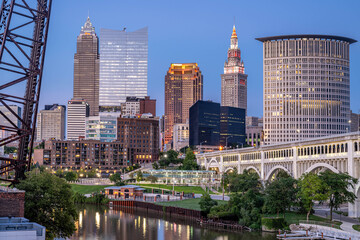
x,y
17,224
126,186
301,36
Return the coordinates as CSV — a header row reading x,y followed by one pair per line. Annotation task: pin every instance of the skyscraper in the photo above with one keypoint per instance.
x,y
86,67
183,87
234,79
51,123
306,86
123,66
78,110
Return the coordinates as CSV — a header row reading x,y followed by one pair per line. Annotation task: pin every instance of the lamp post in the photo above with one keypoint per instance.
x,y
201,144
223,186
227,141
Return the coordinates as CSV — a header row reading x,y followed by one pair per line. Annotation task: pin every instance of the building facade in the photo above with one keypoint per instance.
x,y
102,127
232,126
135,105
86,67
85,154
51,123
234,79
12,117
183,87
354,122
306,86
204,124
123,66
180,136
139,137
78,110
254,131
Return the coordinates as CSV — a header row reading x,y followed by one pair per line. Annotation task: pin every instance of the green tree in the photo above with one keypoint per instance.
x,y
139,176
189,162
71,176
49,201
280,195
91,173
312,188
155,166
339,189
206,203
244,182
60,173
116,178
152,179
248,207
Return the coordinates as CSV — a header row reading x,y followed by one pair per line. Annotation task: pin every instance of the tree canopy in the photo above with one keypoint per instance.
x,y
311,189
339,189
206,203
189,162
49,202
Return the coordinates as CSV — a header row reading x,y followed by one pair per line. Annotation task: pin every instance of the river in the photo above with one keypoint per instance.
x,y
100,222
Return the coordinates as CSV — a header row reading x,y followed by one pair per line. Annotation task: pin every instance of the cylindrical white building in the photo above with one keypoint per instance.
x,y
306,86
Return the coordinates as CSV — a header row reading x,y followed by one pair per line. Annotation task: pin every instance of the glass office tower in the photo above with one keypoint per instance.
x,y
123,66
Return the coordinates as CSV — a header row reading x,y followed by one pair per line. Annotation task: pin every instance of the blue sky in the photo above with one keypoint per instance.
x,y
196,31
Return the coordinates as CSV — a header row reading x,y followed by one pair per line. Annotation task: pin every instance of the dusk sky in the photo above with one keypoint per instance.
x,y
196,31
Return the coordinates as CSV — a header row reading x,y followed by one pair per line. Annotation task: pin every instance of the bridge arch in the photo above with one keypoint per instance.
x,y
277,167
253,168
323,165
213,163
230,169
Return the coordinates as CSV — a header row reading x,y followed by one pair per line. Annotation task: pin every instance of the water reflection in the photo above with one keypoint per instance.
x,y
99,222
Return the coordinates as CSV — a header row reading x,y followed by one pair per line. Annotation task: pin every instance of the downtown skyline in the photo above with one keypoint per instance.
x,y
188,38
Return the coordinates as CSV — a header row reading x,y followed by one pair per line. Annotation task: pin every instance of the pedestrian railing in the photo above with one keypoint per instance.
x,y
325,224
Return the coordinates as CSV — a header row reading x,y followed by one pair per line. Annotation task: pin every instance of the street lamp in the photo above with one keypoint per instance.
x,y
227,141
201,144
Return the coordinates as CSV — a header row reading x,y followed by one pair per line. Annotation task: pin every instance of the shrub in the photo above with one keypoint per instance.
x,y
273,223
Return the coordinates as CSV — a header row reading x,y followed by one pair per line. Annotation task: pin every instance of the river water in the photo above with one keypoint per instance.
x,y
100,222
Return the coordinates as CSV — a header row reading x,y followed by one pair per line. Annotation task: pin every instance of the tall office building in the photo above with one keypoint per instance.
x,y
183,88
234,79
123,66
86,67
204,124
232,126
12,117
51,123
354,122
78,110
306,86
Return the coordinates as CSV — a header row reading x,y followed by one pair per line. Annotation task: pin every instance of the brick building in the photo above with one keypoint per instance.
x,y
140,136
85,154
14,201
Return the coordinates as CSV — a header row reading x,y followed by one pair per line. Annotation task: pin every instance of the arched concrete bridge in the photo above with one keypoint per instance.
x,y
338,153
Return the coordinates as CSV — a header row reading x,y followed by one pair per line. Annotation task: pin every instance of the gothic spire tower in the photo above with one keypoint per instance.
x,y
234,79
86,67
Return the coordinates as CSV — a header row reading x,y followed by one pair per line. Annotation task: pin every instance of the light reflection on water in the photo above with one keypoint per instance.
x,y
99,222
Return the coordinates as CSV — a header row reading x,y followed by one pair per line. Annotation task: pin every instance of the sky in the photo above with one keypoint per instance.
x,y
196,31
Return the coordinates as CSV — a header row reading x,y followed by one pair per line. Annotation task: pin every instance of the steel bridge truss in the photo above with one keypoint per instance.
x,y
24,28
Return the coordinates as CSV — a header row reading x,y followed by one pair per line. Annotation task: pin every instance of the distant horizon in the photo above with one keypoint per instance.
x,y
203,38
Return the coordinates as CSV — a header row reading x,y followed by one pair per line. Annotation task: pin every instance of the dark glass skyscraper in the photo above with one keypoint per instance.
x,y
204,124
86,67
232,126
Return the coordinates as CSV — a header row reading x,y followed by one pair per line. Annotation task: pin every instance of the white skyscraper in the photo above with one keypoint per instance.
x,y
51,123
78,110
306,87
123,66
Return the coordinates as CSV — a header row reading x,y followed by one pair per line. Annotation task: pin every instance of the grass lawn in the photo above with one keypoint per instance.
x,y
188,203
86,189
185,189
294,218
356,227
